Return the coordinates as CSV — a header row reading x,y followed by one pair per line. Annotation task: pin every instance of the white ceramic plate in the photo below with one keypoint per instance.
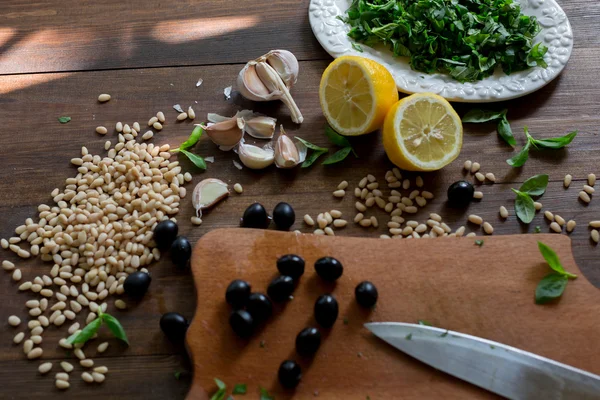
x,y
556,33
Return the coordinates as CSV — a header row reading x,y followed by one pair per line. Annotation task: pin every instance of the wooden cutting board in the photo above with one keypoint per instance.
x,y
486,291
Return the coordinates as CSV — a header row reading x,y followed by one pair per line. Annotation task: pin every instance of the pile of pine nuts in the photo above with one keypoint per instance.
x,y
98,231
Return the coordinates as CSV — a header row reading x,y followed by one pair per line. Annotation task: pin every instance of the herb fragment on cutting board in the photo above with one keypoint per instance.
x,y
524,204
479,243
477,116
239,388
221,388
90,329
408,337
177,374
264,395
191,141
340,141
317,152
357,47
538,229
466,41
551,143
423,322
64,120
553,285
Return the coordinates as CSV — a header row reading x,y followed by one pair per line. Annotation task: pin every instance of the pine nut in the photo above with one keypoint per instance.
x,y
406,184
19,337
364,193
411,209
480,177
595,224
35,353
127,129
571,225
25,286
182,116
79,354
357,192
63,343
396,213
567,180
421,228
373,186
490,177
363,183
87,363
427,195
119,127
393,225
475,219
588,189
360,206
591,179
413,195
191,113
412,224
467,165
395,185
435,217
472,234
439,231
343,185
396,231
583,196
371,178
537,205
389,207
365,222
102,347
61,376
595,236
13,320
120,304
374,222
475,167
67,367
7,265
101,370
339,193
549,216
136,127
73,328
556,227
432,222
560,220
397,219
335,213
478,195
196,221
4,243
488,228
460,231
101,130
340,223
43,320
99,378
419,181
319,232
161,116
503,212
445,227
63,385
157,125
104,97
45,368
87,377
148,135
328,231
308,220
238,188
407,231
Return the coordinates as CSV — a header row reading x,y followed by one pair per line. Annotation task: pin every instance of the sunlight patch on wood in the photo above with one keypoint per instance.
x,y
178,31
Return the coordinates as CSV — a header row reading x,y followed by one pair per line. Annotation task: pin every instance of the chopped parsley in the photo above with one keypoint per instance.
x,y
479,243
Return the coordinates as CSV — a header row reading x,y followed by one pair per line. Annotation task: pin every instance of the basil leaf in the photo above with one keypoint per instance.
x,y
336,138
478,116
521,158
337,156
196,159
264,395
115,327
524,207
553,261
220,384
357,47
86,333
310,159
310,145
535,186
479,243
239,388
64,120
192,139
557,142
505,131
550,287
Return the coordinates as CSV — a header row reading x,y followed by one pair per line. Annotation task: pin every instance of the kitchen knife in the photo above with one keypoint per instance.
x,y
501,369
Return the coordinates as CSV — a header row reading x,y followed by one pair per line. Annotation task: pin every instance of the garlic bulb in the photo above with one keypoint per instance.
x,y
225,134
261,80
207,193
287,154
255,157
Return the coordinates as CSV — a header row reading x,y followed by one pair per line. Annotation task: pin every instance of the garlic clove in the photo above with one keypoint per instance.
x,y
251,86
286,152
286,65
225,134
255,157
260,127
207,193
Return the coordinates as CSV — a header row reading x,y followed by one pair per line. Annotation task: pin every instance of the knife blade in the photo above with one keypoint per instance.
x,y
498,368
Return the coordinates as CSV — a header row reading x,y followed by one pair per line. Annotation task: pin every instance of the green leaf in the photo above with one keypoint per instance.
x,y
177,374
86,333
550,287
408,337
312,157
220,384
538,229
64,120
535,186
520,158
478,116
357,47
239,388
553,261
115,327
524,207
193,138
505,131
338,156
310,145
423,322
196,159
479,243
336,138
221,388
264,395
555,143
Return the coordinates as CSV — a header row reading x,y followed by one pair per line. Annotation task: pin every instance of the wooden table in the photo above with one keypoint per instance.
x,y
56,57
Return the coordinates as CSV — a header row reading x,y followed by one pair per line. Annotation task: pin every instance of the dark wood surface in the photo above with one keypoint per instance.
x,y
56,57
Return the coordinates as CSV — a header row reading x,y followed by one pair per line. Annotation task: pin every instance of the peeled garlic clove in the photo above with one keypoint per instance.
x,y
286,65
286,152
255,157
226,134
207,193
260,127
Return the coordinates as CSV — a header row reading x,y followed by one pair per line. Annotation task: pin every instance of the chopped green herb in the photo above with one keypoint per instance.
x,y
221,388
492,346
408,337
551,143
177,375
264,395
479,243
64,120
357,47
538,229
553,285
230,397
90,329
346,321
239,388
444,334
423,322
464,39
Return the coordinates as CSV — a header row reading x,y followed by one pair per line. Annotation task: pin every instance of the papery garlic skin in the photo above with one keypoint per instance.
x,y
286,152
207,193
255,157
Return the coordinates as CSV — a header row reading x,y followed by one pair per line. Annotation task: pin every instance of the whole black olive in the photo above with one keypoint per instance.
x,y
137,283
283,216
259,306
329,268
164,233
281,288
291,265
256,216
308,341
460,194
242,323
326,310
289,374
181,251
237,293
174,326
366,294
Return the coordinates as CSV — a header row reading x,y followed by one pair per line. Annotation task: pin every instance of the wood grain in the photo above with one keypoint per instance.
x,y
484,291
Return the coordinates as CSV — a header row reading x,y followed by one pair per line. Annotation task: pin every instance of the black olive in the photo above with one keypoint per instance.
x,y
164,233
174,325
283,216
256,216
366,294
181,251
460,194
329,268
308,341
289,374
237,293
281,288
242,323
137,283
291,265
326,310
259,306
